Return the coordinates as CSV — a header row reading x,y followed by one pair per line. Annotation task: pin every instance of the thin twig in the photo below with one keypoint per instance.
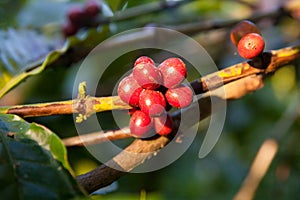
x,y
259,167
139,11
267,152
200,26
97,137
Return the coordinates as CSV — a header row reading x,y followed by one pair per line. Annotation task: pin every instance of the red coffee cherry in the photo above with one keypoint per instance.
x,y
241,29
143,60
180,97
92,8
147,75
152,102
77,15
129,91
163,124
140,123
173,71
251,45
69,29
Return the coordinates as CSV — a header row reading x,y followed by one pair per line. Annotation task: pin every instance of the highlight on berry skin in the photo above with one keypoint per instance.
x,y
147,75
129,91
140,124
152,102
251,46
173,71
180,97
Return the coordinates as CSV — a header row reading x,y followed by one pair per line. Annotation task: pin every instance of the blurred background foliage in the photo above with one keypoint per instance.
x,y
249,121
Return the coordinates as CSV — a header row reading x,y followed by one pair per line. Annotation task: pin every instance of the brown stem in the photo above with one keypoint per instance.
x,y
85,106
97,137
124,161
267,152
259,167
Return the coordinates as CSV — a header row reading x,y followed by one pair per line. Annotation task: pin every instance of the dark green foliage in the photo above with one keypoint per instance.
x,y
28,168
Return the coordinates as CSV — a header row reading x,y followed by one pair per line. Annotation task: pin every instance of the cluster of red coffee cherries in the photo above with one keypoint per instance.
x,y
248,40
79,17
152,91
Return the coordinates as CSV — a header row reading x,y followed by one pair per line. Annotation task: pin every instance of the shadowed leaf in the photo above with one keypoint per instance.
x,y
43,136
28,169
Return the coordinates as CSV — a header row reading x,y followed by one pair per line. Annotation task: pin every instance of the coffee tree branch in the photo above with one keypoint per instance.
x,y
233,90
145,149
268,63
200,26
84,106
245,78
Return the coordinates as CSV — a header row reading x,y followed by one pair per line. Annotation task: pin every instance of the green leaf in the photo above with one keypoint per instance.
x,y
27,52
20,50
43,136
28,169
10,77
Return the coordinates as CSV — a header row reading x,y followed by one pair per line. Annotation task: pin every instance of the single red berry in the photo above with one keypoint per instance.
x,y
147,75
180,97
92,8
241,29
140,123
69,29
152,102
143,60
163,124
129,91
77,15
173,71
251,45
